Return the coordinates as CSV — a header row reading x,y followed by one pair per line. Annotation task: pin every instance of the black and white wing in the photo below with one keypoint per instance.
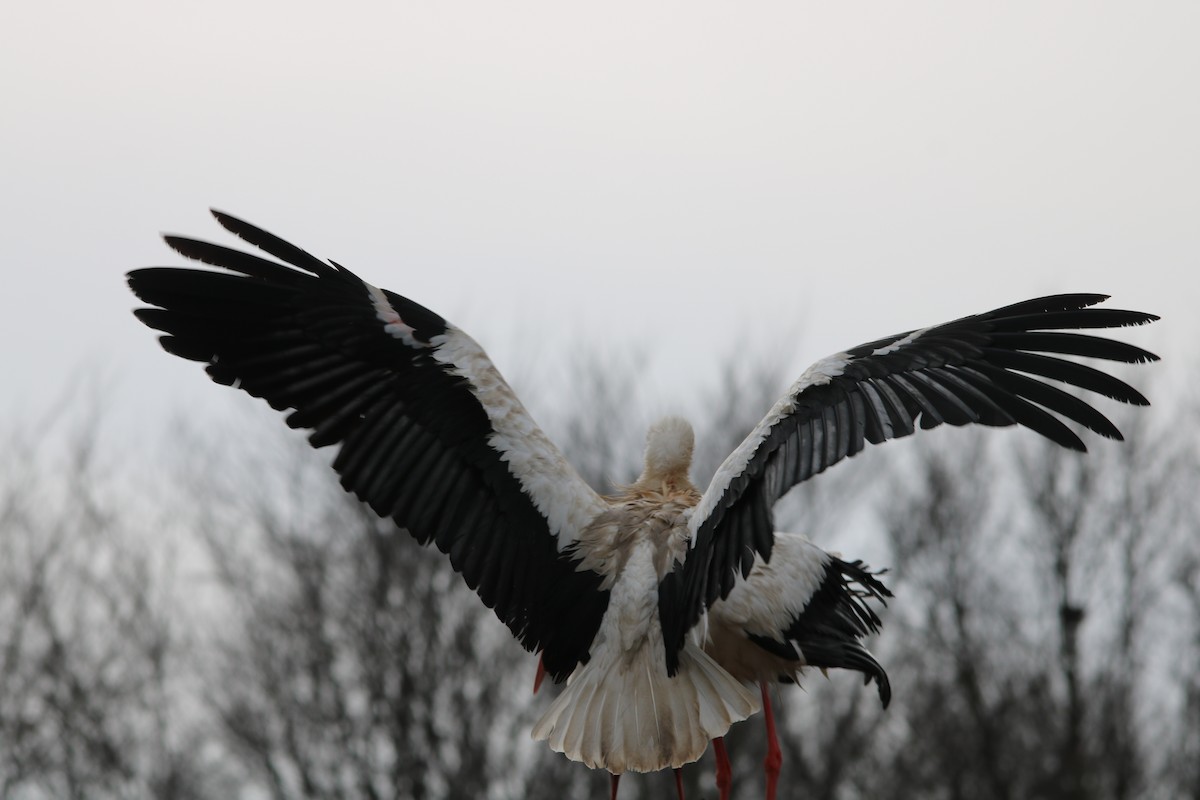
x,y
430,433
984,369
805,607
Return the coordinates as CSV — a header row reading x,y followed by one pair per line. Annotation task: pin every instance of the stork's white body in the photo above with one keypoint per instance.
x,y
621,710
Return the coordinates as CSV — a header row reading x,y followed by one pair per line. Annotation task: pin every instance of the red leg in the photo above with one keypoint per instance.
x,y
541,674
615,780
774,755
679,782
724,771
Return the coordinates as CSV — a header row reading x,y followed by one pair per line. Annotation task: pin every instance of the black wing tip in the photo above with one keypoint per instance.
x,y
858,572
229,222
1077,301
1073,301
193,249
150,317
1143,357
274,245
1080,299
885,687
251,234
1131,319
134,279
1077,445
1145,317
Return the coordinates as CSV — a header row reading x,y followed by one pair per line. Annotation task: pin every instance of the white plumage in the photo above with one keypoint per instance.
x,y
621,711
775,593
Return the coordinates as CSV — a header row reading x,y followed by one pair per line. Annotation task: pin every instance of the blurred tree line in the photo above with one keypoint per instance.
x,y
238,627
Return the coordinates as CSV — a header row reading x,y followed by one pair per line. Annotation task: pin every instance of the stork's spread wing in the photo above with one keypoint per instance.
x,y
983,369
430,433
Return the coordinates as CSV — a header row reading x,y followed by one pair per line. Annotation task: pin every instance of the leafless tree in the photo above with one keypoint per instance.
x,y
1044,641
600,419
1029,579
351,662
1182,768
89,656
1175,731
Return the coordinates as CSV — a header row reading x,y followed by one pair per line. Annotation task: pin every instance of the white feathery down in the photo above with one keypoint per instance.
x,y
775,592
626,715
621,711
669,446
773,595
560,494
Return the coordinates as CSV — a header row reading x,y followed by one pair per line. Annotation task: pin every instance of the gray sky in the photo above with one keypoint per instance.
x,y
791,178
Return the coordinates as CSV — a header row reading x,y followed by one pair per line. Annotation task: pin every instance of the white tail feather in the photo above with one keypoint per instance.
x,y
624,713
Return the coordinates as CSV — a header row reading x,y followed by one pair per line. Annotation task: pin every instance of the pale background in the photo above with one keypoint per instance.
x,y
789,178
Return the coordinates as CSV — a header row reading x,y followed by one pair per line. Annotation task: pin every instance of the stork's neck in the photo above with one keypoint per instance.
x,y
669,445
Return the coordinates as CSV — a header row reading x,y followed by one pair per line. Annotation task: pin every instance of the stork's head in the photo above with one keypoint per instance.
x,y
669,444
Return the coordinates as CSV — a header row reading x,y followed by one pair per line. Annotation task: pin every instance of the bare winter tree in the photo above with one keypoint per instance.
x,y
1044,641
958,650
89,649
1107,527
1029,585
354,663
1182,768
600,420
1167,701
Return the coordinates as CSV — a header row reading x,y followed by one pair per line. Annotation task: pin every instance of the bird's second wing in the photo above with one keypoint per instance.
x,y
808,608
986,369
429,432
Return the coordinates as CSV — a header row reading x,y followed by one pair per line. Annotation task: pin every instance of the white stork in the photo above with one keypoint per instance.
x,y
611,591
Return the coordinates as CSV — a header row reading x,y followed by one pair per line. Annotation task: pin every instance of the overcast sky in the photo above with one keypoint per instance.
x,y
789,178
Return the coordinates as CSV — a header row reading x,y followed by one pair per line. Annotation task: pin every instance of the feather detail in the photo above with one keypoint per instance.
x,y
624,714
